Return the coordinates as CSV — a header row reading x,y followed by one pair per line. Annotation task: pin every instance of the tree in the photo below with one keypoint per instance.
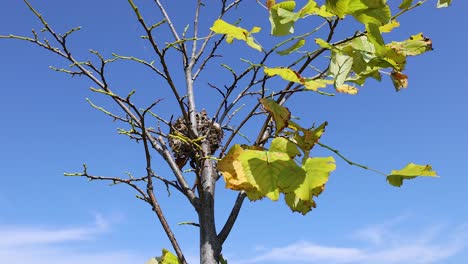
x,y
294,60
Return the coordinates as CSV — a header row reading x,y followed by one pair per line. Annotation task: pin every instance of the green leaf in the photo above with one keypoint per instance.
x,y
405,4
364,46
233,32
269,173
308,9
338,7
166,258
410,171
311,8
317,172
359,59
361,50
365,11
278,26
415,45
375,37
280,144
260,173
282,16
322,43
307,138
287,16
281,114
390,57
365,56
363,76
340,67
322,11
293,48
370,11
443,3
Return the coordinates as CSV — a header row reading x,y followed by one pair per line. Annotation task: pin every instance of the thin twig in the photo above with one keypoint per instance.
x,y
281,99
195,33
172,27
130,182
162,59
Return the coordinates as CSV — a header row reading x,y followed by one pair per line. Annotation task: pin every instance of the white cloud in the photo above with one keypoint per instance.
x,y
306,251
47,255
384,245
14,236
381,233
19,245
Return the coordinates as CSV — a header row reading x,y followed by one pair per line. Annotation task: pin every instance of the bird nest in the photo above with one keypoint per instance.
x,y
182,144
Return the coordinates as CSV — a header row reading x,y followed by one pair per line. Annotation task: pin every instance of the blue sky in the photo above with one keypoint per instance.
x,y
48,128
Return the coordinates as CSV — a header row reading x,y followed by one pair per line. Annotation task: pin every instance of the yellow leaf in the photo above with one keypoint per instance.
x,y
260,173
233,32
255,30
309,8
348,89
285,73
323,12
280,114
222,27
309,137
251,42
409,172
389,27
293,76
231,167
314,85
317,172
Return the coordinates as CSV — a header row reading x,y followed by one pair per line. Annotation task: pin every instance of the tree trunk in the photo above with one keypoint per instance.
x,y
209,244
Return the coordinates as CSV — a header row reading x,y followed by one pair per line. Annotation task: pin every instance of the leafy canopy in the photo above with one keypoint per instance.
x,y
285,166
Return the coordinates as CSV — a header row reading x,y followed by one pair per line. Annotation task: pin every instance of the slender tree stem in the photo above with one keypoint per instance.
x,y
232,218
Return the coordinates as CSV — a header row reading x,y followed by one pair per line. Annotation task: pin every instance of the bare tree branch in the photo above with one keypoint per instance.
x,y
167,74
173,30
150,191
263,135
232,218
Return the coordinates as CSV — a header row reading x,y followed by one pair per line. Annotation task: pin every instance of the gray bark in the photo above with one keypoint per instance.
x,y
209,243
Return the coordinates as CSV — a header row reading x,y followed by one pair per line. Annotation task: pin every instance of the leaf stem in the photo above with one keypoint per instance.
x,y
349,161
408,9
